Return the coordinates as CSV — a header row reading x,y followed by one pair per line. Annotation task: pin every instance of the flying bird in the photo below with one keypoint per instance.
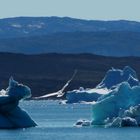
x,y
60,92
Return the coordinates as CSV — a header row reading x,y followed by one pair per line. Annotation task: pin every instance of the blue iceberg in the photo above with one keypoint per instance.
x,y
116,99
123,97
11,115
121,106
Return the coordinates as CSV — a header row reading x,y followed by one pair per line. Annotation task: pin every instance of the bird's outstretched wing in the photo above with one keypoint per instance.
x,y
47,95
59,93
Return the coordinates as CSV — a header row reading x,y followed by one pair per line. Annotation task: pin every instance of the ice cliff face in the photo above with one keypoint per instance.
x,y
11,115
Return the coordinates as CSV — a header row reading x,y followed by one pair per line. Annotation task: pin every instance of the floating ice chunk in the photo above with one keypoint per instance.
x,y
128,122
81,123
11,116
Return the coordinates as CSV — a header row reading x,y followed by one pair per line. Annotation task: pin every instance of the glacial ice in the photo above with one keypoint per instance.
x,y
121,98
112,79
11,115
117,99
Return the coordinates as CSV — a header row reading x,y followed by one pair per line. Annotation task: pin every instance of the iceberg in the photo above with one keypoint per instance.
x,y
112,79
109,107
11,115
85,95
116,99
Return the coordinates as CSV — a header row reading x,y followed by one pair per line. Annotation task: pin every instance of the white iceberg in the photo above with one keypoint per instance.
x,y
11,116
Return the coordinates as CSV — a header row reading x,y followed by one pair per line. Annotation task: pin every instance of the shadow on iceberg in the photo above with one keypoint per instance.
x,y
11,115
116,76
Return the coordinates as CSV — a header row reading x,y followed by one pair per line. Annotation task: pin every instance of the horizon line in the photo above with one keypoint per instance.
x,y
86,19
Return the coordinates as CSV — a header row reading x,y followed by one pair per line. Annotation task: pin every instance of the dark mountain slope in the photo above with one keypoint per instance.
x,y
100,43
47,73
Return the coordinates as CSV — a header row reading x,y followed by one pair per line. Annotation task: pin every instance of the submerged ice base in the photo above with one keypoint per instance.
x,y
12,116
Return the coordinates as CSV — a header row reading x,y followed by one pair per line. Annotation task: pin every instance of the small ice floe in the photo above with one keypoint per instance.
x,y
82,123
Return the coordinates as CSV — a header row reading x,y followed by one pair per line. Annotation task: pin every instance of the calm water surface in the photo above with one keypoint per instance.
x,y
55,122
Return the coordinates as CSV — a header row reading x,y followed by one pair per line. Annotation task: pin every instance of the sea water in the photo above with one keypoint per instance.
x,y
56,122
